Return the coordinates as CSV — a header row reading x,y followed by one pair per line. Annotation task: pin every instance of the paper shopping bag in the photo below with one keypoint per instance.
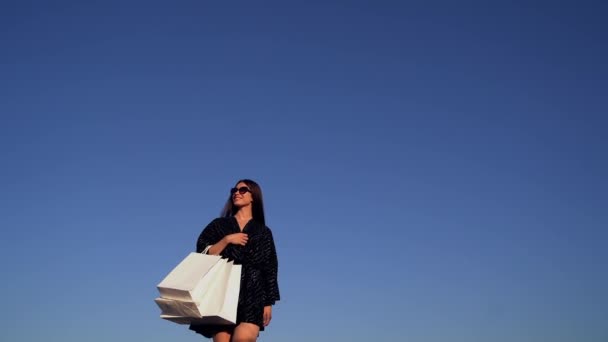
x,y
220,301
189,320
185,281
211,299
177,308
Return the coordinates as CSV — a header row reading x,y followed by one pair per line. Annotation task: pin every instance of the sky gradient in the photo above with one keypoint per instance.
x,y
433,171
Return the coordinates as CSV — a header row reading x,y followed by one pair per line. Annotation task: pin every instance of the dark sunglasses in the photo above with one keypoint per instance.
x,y
242,190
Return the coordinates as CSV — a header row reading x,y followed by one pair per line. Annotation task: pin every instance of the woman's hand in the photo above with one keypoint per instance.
x,y
267,315
237,239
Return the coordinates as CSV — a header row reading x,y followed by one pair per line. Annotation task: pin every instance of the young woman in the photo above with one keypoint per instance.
x,y
241,234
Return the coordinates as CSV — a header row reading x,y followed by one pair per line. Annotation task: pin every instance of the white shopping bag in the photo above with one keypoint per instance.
x,y
190,320
212,299
184,282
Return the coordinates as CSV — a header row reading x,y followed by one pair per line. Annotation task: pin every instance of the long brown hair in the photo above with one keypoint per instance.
x,y
257,206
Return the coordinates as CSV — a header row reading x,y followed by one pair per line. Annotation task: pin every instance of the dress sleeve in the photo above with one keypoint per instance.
x,y
209,236
270,270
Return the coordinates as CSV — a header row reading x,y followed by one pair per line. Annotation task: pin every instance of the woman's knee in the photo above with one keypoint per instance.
x,y
244,339
221,337
246,332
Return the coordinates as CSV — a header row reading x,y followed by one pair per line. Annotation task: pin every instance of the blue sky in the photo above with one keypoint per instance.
x,y
432,171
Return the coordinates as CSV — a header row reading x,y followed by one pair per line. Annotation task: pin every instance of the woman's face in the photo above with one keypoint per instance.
x,y
241,195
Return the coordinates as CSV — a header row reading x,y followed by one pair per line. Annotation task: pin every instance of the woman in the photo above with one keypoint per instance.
x,y
240,234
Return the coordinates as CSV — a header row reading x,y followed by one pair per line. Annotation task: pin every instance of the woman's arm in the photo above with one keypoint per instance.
x,y
270,270
217,248
235,239
208,236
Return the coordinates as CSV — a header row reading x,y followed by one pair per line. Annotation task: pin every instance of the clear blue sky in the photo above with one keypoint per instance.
x,y
433,171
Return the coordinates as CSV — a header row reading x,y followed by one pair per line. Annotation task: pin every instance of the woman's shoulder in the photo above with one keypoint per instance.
x,y
265,229
258,227
220,221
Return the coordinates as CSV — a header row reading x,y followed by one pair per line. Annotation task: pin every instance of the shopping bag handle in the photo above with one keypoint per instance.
x,y
206,249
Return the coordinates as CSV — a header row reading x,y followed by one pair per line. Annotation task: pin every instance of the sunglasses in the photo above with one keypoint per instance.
x,y
242,190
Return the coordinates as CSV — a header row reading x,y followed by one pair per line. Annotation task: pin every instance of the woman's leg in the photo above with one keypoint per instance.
x,y
246,332
221,336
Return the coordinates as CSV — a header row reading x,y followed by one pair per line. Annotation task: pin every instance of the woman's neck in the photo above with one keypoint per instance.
x,y
244,214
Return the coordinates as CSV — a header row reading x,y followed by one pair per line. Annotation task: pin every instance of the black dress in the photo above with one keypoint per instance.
x,y
259,285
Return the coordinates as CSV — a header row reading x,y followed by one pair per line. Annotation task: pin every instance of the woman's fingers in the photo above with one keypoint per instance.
x,y
244,239
267,315
238,239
